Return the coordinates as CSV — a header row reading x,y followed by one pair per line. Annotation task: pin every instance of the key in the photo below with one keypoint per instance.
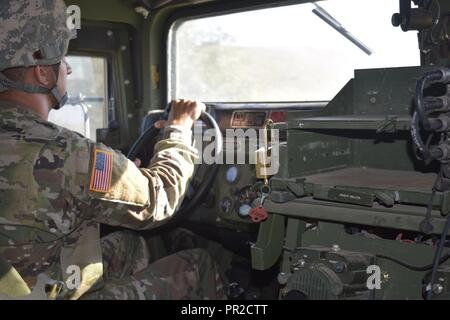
x,y
261,201
258,213
265,192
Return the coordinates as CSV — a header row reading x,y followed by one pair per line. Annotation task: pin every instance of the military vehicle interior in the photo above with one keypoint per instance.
x,y
352,95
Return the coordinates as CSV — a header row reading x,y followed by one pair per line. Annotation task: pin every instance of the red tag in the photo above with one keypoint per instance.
x,y
258,214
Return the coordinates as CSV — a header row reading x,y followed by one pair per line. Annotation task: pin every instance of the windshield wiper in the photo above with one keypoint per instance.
x,y
325,16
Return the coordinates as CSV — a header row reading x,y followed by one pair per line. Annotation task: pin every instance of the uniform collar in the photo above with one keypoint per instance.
x,y
8,106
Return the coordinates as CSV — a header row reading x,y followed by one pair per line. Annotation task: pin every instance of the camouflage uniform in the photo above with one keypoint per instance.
x,y
56,187
128,275
50,211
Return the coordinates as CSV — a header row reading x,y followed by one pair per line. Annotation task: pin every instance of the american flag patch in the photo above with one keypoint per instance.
x,y
101,171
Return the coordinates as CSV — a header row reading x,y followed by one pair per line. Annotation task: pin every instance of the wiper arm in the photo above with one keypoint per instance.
x,y
325,16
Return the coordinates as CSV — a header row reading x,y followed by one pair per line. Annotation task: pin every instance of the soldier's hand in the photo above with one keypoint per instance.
x,y
182,113
137,162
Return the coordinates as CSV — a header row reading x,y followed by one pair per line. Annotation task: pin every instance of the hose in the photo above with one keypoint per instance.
x,y
415,135
415,268
418,97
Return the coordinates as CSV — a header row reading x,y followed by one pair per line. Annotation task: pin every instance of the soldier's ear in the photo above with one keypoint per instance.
x,y
42,75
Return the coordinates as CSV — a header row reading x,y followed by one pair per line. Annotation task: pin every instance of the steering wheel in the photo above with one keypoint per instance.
x,y
199,191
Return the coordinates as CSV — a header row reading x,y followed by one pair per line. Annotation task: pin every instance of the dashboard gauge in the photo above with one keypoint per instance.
x,y
244,199
248,119
246,195
226,204
231,174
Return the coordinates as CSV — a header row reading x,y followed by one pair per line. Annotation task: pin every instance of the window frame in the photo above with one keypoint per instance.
x,y
123,98
107,111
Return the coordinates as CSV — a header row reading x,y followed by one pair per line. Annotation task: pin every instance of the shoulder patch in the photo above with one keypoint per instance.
x,y
101,174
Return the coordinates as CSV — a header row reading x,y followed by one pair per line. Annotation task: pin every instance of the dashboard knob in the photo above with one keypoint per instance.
x,y
244,210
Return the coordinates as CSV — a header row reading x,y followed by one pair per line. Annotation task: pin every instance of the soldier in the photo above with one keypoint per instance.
x,y
57,186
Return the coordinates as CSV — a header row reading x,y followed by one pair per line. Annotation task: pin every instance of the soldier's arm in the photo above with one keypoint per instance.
x,y
118,193
141,197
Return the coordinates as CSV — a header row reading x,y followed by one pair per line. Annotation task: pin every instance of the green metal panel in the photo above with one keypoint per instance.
x,y
397,282
378,123
318,151
267,250
370,116
402,217
386,91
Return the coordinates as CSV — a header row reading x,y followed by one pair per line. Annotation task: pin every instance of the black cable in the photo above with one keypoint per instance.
x,y
436,21
415,268
429,139
436,259
426,226
415,135
427,144
421,115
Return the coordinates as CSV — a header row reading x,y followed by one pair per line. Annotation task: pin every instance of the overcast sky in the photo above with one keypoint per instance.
x,y
297,26
288,53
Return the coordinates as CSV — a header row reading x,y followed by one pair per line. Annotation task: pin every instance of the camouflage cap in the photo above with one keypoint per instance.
x,y
33,32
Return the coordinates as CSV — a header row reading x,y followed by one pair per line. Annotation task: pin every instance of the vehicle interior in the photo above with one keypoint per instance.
x,y
349,99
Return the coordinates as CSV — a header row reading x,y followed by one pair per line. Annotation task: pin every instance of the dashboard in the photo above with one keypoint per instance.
x,y
236,189
246,119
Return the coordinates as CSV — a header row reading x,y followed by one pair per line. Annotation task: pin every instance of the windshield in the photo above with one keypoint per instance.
x,y
284,54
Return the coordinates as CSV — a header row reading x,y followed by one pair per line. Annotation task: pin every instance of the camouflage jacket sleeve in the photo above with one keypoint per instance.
x,y
119,193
